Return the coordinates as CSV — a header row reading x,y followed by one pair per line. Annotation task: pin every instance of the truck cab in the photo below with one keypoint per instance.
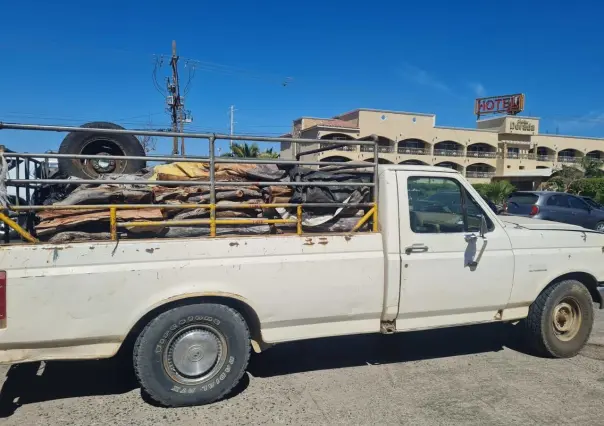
x,y
460,263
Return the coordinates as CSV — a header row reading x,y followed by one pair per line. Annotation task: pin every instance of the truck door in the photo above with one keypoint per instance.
x,y
450,273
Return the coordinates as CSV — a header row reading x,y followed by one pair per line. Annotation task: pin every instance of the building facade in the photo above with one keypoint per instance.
x,y
506,147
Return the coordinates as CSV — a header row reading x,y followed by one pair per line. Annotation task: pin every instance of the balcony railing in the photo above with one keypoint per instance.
x,y
455,153
449,152
482,154
381,149
413,151
342,148
568,159
472,174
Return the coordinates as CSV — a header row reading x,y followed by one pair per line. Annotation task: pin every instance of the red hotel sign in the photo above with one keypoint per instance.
x,y
509,104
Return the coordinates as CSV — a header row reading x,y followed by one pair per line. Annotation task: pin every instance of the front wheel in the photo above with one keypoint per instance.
x,y
560,319
192,355
600,226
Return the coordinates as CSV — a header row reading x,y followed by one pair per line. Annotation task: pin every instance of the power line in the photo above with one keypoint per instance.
x,y
96,51
241,72
159,60
191,66
21,114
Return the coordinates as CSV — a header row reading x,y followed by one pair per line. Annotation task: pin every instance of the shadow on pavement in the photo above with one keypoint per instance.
x,y
25,383
28,383
375,349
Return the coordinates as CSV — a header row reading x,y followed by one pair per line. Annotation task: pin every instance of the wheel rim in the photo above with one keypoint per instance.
x,y
97,166
600,227
567,319
194,354
103,166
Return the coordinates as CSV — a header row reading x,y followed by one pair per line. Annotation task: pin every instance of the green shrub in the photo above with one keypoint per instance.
x,y
497,191
589,187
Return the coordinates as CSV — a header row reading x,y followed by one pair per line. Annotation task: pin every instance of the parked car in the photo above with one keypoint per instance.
x,y
556,206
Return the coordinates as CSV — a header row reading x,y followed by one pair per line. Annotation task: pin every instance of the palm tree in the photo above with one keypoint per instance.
x,y
269,153
250,151
244,150
591,167
496,191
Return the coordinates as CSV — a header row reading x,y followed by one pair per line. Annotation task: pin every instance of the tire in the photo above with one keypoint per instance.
x,y
100,144
599,227
174,355
560,320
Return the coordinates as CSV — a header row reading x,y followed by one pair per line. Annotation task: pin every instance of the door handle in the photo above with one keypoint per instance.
x,y
416,248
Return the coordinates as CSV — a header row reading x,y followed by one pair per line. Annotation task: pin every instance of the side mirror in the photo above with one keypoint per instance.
x,y
484,228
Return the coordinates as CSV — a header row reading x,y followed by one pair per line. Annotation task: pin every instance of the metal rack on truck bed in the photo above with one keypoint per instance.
x,y
30,184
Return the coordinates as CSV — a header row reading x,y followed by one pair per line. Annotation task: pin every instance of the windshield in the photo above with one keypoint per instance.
x,y
591,202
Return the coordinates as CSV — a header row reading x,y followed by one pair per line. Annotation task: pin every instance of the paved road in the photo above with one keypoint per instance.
x,y
463,376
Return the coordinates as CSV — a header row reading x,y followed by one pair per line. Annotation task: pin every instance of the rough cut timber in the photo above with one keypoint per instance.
x,y
57,224
106,194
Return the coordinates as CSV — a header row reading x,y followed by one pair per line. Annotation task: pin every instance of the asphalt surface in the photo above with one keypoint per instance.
x,y
472,375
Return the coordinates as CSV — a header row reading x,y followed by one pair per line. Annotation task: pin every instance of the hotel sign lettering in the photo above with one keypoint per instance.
x,y
506,104
522,125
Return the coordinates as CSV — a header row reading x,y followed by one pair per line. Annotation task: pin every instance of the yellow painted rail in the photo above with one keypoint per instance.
x,y
18,229
371,214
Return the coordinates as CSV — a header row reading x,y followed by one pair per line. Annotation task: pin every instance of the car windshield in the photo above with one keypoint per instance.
x,y
591,202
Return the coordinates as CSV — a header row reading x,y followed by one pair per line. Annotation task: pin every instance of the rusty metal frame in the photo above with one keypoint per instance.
x,y
114,225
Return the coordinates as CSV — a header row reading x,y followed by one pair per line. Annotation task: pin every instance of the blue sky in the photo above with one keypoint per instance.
x,y
64,63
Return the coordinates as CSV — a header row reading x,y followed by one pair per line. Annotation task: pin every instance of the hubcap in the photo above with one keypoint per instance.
x,y
600,227
102,165
567,319
99,166
194,354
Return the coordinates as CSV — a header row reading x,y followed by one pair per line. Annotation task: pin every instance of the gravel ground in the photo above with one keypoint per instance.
x,y
471,375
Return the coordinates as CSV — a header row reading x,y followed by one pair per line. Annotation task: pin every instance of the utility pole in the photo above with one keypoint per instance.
x,y
175,103
172,95
232,124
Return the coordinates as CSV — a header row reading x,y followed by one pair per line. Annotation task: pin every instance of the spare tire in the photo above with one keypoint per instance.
x,y
100,144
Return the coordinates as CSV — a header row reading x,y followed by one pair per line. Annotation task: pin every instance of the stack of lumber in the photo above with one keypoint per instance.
x,y
69,223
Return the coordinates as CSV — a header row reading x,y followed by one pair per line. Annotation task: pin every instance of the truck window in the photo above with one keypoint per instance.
x,y
441,205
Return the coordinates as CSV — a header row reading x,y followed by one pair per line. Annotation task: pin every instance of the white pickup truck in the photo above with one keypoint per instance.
x,y
195,306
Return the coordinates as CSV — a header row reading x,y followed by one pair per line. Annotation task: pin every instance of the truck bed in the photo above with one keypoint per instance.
x,y
91,294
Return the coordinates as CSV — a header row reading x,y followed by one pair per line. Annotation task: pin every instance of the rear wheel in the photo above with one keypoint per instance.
x,y
600,227
192,355
560,320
